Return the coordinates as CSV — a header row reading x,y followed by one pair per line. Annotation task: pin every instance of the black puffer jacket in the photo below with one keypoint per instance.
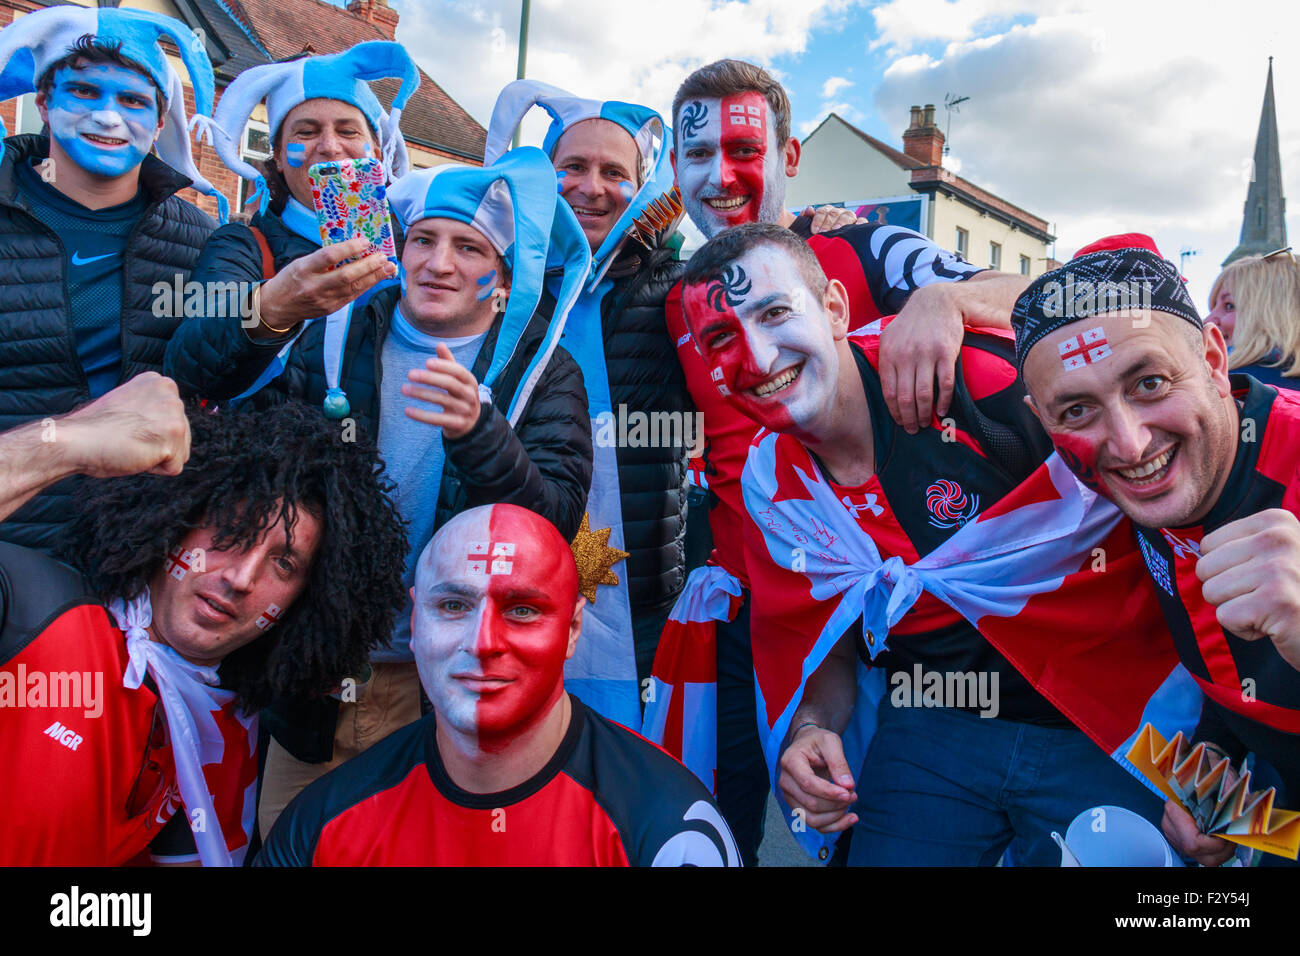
x,y
40,373
644,375
543,464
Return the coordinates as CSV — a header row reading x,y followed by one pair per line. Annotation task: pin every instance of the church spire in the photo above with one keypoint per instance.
x,y
1263,225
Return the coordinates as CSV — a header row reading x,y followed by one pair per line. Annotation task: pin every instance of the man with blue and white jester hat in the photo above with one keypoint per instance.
x,y
612,161
455,367
318,109
90,219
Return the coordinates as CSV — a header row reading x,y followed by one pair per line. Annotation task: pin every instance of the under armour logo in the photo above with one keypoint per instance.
x,y
1182,547
868,504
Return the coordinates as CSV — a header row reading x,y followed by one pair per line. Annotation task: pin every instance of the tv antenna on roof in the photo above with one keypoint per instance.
x,y
951,102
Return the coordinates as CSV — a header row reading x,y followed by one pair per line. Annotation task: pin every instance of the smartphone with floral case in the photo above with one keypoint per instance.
x,y
351,200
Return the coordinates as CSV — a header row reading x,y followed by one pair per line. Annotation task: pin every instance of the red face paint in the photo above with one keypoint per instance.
x,y
1080,456
726,346
744,147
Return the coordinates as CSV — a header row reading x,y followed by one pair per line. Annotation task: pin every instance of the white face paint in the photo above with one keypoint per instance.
x,y
730,167
768,340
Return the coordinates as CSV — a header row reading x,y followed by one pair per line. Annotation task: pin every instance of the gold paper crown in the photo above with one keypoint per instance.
x,y
659,218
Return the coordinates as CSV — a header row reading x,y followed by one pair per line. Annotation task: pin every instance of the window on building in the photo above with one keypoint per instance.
x,y
963,243
1024,265
256,145
995,255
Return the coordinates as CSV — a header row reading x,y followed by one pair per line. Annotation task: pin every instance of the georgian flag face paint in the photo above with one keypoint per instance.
x,y
767,339
730,168
495,594
104,117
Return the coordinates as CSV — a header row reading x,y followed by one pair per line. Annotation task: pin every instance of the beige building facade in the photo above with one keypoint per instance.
x,y
841,163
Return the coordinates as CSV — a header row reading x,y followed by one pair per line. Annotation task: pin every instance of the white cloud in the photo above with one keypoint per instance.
x,y
831,88
614,50
1127,117
901,24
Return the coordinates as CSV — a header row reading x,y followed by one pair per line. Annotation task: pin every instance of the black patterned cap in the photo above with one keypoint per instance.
x,y
1113,280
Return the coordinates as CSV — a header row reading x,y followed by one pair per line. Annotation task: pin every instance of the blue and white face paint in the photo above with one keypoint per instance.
x,y
104,117
295,153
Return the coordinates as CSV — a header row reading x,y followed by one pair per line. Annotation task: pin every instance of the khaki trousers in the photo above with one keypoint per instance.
x,y
387,702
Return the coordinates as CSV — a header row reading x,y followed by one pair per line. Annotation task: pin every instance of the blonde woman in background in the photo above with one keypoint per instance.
x,y
1255,301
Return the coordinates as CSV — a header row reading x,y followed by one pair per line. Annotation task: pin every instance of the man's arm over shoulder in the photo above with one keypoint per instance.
x,y
889,263
212,356
545,462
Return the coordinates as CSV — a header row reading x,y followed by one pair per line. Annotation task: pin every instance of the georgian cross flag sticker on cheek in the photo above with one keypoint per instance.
x,y
269,618
1084,349
179,562
500,554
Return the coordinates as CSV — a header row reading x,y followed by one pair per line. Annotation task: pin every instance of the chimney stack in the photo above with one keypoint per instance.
x,y
923,141
377,12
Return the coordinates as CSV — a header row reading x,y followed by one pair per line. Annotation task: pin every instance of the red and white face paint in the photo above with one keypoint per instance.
x,y
495,594
730,167
767,339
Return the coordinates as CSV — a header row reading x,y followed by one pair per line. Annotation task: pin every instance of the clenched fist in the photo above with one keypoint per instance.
x,y
1250,571
137,427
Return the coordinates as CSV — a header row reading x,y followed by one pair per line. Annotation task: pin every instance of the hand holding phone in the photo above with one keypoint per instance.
x,y
351,200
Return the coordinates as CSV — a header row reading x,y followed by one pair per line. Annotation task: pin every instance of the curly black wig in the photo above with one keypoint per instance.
x,y
247,471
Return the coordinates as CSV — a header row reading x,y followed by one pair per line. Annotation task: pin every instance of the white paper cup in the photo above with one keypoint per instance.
x,y
1113,836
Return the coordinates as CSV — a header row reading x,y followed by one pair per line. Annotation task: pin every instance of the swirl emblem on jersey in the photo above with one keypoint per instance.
x,y
949,506
694,117
729,289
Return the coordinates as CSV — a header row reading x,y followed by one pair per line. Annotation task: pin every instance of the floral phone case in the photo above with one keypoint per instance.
x,y
351,200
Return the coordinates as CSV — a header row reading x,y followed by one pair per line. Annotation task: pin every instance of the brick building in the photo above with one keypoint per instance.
x,y
243,33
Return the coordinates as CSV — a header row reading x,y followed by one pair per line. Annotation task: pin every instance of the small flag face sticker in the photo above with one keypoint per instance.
x,y
496,557
269,618
179,562
742,114
1084,349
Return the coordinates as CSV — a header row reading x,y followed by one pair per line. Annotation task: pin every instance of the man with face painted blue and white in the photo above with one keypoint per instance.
x,y
90,221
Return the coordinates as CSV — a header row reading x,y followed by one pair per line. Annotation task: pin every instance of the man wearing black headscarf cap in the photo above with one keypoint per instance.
x,y
1135,393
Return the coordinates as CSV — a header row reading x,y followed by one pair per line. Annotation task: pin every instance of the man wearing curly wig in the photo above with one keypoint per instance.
x,y
129,686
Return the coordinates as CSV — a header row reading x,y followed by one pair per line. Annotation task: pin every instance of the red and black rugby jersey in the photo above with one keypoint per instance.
x,y
880,267
930,484
607,798
74,743
1249,688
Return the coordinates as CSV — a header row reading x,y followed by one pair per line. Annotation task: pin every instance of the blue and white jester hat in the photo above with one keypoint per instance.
x,y
33,43
337,76
646,127
514,203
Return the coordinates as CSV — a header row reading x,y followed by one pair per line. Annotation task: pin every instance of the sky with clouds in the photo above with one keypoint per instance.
x,y
1100,116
